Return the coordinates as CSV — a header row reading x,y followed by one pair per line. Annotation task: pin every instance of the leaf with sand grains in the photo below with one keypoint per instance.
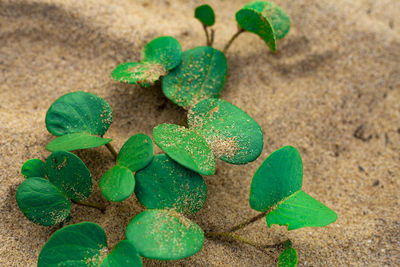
x,y
164,184
118,183
47,202
288,258
158,57
265,19
80,119
164,235
276,187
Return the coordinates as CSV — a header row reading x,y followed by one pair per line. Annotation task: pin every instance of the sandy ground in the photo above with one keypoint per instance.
x,y
332,90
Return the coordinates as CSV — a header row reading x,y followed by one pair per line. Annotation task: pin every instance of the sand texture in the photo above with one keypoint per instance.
x,y
332,91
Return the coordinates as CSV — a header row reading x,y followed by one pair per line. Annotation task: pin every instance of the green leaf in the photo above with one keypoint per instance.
x,y
124,254
252,20
186,147
75,141
279,176
301,210
70,175
82,244
288,258
136,153
232,135
276,16
42,202
33,168
79,112
164,235
117,184
164,184
205,14
158,57
201,75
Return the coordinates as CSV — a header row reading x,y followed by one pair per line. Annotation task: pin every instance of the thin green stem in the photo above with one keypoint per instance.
x,y
100,207
112,150
247,222
207,35
240,239
212,37
233,38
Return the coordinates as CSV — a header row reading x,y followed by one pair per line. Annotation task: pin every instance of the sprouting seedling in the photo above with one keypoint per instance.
x,y
205,14
266,19
216,129
154,234
158,57
288,257
48,201
118,183
276,191
80,120
201,75
85,244
165,184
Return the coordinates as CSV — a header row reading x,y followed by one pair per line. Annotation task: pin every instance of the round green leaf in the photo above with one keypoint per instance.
x,y
42,202
79,112
79,245
75,141
124,254
164,184
70,175
301,210
205,14
232,135
186,147
279,176
136,153
158,57
165,51
288,258
252,20
201,75
164,235
117,184
33,168
276,16
143,73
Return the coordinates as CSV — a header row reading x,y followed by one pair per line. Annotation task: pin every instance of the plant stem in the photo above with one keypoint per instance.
x,y
100,207
207,36
247,222
112,150
233,38
212,37
240,239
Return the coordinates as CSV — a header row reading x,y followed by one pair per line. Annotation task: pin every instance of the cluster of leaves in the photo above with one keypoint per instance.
x,y
170,185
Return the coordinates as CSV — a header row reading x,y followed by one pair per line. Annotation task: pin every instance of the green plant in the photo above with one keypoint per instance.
x,y
168,185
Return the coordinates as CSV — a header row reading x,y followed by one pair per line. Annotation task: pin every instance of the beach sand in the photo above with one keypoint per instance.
x,y
332,91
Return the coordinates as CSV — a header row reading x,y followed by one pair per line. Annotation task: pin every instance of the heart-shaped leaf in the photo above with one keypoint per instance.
x,y
33,168
82,244
205,14
75,141
136,153
67,171
288,258
78,112
42,202
301,210
232,135
279,176
201,75
164,235
117,184
164,184
276,186
124,254
186,147
158,57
